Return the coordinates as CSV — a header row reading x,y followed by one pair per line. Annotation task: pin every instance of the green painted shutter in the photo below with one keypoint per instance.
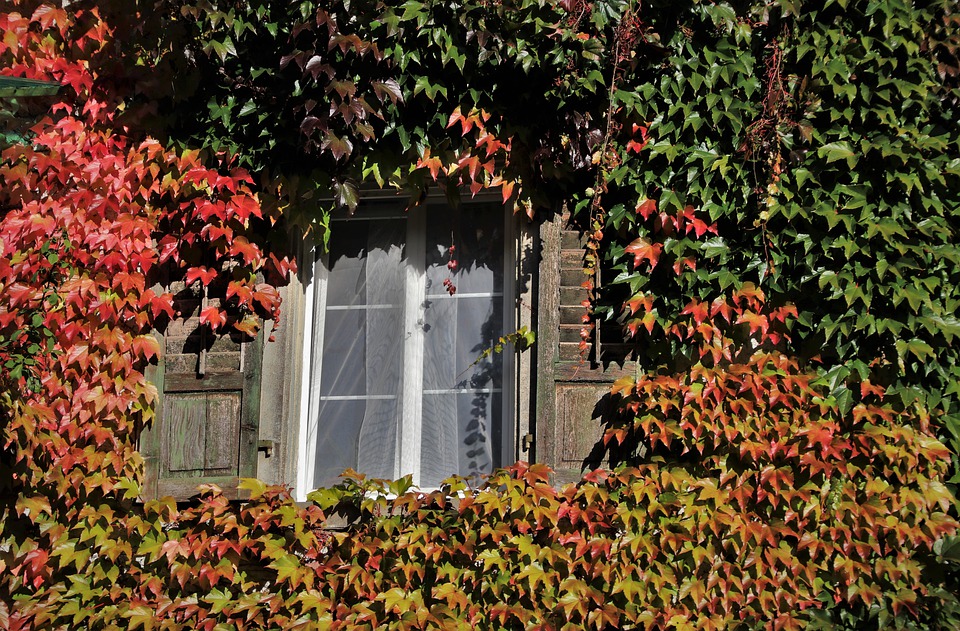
x,y
207,423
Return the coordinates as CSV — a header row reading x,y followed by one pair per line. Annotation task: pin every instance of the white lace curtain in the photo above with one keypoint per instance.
x,y
393,352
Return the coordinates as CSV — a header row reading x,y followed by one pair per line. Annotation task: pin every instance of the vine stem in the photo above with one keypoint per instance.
x,y
609,123
596,211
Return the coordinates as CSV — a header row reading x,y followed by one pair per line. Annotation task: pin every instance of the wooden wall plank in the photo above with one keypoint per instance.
x,y
184,488
150,442
250,410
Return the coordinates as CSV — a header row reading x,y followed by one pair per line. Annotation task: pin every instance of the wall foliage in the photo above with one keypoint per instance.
x,y
771,193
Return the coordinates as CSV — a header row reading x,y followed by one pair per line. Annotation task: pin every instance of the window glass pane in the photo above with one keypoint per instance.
x,y
365,263
360,352
456,333
358,434
440,438
461,435
476,234
358,399
479,324
462,399
344,335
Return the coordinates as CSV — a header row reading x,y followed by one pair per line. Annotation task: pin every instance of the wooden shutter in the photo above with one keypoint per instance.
x,y
573,396
207,422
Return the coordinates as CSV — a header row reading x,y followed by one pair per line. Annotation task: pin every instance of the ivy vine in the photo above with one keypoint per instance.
x,y
770,193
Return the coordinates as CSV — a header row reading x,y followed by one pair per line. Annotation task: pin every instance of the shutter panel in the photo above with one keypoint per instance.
x,y
573,398
207,422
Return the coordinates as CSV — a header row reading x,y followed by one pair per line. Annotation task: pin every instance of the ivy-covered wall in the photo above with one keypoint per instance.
x,y
770,195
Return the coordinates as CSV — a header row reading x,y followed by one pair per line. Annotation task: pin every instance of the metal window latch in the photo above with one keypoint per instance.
x,y
267,447
527,442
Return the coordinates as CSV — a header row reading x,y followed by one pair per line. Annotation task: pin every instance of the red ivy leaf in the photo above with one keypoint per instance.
x,y
697,309
267,296
213,317
242,247
162,304
245,205
389,87
756,322
204,274
643,250
646,208
145,346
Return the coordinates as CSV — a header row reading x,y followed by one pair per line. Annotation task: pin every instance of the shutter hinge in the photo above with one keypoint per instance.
x,y
527,442
267,447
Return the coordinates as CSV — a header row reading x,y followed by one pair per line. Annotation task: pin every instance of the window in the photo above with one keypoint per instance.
x,y
401,308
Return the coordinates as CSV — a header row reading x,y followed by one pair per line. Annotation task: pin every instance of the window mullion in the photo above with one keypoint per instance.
x,y
316,300
410,434
508,423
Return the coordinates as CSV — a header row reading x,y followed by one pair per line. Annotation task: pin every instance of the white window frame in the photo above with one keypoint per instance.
x,y
409,449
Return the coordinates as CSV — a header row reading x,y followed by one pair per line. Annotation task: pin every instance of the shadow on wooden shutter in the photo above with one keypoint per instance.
x,y
207,422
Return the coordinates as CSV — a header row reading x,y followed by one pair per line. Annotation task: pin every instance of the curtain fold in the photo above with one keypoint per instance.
x,y
378,436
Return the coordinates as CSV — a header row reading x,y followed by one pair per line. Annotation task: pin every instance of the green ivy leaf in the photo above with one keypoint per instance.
x,y
838,151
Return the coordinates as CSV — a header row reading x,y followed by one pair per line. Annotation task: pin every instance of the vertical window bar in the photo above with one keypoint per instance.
x,y
316,301
415,294
508,418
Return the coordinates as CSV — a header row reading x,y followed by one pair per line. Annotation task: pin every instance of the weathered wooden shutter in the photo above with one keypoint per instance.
x,y
206,428
573,395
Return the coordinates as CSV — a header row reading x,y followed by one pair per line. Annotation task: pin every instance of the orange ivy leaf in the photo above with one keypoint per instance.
x,y
646,208
757,322
622,384
643,250
698,310
213,317
249,325
636,302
